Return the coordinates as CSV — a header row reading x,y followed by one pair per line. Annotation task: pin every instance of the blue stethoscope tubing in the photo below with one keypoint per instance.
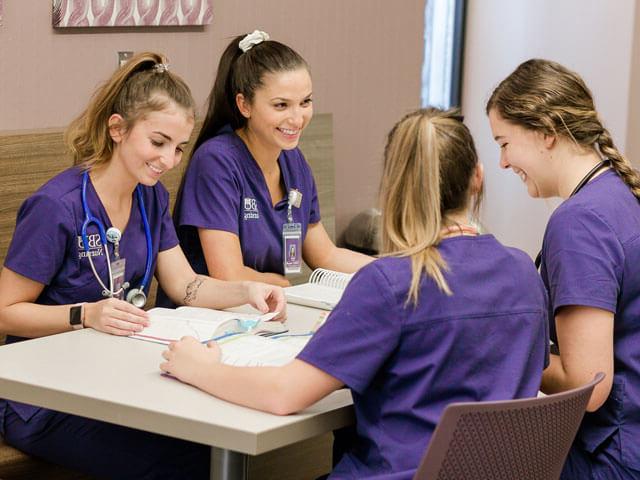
x,y
136,296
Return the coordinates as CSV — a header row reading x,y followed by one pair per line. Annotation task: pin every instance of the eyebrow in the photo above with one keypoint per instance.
x,y
286,99
168,137
498,137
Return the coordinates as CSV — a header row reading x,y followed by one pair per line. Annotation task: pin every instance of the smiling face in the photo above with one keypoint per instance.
x,y
527,153
153,145
280,109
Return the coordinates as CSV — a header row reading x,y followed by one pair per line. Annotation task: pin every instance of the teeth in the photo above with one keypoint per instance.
x,y
154,169
286,131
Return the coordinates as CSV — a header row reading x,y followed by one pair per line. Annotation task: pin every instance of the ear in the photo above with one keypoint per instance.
x,y
116,127
477,179
243,105
549,141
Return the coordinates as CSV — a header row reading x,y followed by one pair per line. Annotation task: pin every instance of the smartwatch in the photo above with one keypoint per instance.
x,y
75,317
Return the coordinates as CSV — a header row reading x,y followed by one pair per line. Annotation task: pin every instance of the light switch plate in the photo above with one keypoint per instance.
x,y
123,57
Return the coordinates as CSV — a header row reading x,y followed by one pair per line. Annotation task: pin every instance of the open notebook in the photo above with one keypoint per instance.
x,y
323,290
245,339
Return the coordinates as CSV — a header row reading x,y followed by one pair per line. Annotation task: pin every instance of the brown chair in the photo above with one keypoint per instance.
x,y
506,440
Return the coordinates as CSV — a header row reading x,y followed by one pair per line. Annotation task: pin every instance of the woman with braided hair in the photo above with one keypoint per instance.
x,y
544,119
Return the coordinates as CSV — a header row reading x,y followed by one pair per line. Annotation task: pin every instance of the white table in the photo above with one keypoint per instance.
x,y
118,380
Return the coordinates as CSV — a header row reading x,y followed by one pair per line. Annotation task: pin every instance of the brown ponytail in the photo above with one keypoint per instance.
x,y
619,162
140,86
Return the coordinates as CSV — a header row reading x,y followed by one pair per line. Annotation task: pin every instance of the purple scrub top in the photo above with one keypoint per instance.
x,y
47,246
591,257
489,341
224,189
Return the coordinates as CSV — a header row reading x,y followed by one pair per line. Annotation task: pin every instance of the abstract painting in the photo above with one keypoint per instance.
x,y
131,13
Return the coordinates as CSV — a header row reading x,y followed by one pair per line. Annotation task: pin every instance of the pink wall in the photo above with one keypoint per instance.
x,y
633,131
365,56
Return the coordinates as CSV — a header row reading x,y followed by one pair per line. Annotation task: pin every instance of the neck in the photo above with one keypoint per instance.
x,y
454,224
573,165
113,185
265,157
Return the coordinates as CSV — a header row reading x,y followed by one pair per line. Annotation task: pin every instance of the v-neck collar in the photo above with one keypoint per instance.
x,y
284,173
102,211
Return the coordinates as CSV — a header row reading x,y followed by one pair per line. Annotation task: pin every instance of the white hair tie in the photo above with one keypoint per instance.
x,y
254,38
161,67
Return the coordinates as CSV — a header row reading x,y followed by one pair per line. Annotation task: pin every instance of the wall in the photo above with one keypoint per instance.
x,y
366,57
590,36
633,135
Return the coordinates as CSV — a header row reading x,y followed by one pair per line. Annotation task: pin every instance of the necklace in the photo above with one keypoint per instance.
x,y
459,229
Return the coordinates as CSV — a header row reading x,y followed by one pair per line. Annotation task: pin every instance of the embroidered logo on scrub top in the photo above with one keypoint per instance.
x,y
251,209
95,246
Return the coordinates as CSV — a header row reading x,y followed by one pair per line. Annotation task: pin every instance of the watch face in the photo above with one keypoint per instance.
x,y
75,315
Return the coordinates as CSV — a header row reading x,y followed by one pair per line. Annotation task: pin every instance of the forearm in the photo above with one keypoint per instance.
x,y
31,320
554,378
261,388
203,291
247,273
342,260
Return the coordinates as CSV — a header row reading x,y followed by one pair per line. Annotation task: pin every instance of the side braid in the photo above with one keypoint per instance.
x,y
620,164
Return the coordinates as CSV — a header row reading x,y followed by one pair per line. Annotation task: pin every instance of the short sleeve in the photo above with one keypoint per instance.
x,y
44,230
314,212
211,194
314,205
168,236
361,332
583,260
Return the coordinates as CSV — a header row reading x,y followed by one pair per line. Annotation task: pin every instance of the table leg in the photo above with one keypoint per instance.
x,y
228,465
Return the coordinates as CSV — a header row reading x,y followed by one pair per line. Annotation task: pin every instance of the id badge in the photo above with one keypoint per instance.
x,y
117,273
292,246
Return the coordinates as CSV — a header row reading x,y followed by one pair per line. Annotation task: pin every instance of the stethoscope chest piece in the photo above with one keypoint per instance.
x,y
137,297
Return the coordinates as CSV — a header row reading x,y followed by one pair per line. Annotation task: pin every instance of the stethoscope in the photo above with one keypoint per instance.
x,y
135,296
581,184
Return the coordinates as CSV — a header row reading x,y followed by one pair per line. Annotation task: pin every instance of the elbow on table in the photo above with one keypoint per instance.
x,y
284,398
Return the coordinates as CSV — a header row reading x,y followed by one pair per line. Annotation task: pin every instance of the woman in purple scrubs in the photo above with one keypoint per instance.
x,y
544,119
248,181
446,315
63,272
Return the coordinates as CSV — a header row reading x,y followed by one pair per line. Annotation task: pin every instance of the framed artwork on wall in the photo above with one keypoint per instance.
x,y
131,13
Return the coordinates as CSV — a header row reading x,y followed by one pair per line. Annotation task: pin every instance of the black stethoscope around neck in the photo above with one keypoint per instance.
x,y
590,174
135,296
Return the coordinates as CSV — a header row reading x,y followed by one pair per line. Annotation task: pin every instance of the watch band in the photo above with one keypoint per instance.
x,y
75,317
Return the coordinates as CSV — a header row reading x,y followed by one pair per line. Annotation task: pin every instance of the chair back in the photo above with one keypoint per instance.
x,y
505,440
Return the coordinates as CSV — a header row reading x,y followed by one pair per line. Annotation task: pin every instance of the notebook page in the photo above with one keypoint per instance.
x,y
246,350
169,325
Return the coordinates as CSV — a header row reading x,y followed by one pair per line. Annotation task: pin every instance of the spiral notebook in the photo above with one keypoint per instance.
x,y
323,290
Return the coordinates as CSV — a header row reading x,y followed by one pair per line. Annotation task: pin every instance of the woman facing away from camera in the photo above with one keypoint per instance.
x,y
447,315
